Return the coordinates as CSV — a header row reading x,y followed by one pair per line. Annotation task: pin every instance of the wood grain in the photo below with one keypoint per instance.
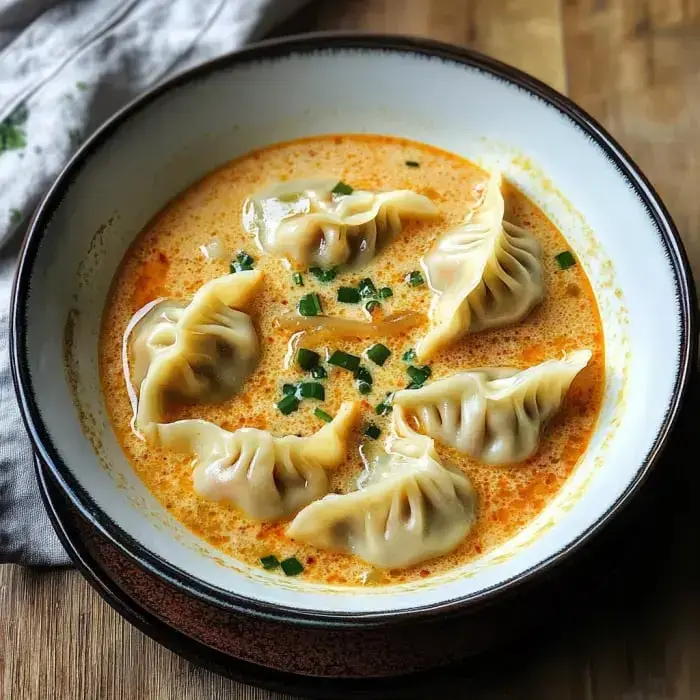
x,y
635,65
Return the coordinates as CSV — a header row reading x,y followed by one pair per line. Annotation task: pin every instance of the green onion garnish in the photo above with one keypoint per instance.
x,y
344,360
565,259
310,305
270,562
409,355
381,409
371,305
415,278
288,389
312,390
348,295
324,275
385,293
298,279
307,359
418,375
320,413
291,566
367,288
342,188
412,164
318,372
245,260
288,404
362,375
378,353
372,431
364,387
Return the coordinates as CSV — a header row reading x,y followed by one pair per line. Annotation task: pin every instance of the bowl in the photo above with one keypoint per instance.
x,y
285,89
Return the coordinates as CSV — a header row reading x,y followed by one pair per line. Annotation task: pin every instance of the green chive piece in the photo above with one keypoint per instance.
x,y
81,85
312,390
310,305
344,360
342,188
364,387
378,353
298,279
288,404
418,375
324,275
372,431
371,305
385,293
320,413
415,278
367,288
307,359
565,259
348,295
289,389
270,562
318,372
412,164
409,355
15,215
291,566
244,259
381,409
362,374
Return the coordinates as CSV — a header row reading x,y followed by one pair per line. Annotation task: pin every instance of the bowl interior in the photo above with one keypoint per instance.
x,y
163,143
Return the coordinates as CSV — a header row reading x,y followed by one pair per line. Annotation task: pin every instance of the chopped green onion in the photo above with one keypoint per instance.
x,y
348,295
371,305
288,404
270,562
342,188
312,390
415,278
364,387
320,413
307,359
381,409
298,279
409,355
367,288
318,372
565,259
412,164
310,305
245,260
362,374
288,389
291,566
372,431
324,275
344,360
418,375
378,353
413,385
385,293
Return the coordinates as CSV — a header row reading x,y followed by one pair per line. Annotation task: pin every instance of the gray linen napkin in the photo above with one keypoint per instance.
x,y
64,68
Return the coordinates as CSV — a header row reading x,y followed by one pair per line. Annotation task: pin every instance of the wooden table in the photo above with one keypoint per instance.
x,y
635,65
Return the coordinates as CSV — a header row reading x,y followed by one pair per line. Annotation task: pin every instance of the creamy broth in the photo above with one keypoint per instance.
x,y
166,260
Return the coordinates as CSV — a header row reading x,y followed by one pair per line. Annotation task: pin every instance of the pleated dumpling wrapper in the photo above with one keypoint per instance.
x,y
410,510
266,477
494,415
486,273
196,352
322,222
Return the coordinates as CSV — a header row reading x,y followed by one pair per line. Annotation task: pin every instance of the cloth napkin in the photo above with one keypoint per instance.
x,y
65,66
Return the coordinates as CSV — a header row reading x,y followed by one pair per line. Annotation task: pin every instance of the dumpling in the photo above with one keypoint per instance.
x,y
412,510
486,273
266,477
494,415
199,352
305,222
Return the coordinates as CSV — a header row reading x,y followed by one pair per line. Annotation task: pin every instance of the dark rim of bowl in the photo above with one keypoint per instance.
x,y
304,44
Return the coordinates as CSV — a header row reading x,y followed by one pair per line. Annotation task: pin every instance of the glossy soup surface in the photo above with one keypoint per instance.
x,y
166,260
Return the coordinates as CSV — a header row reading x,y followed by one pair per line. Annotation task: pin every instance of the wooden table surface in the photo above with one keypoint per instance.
x,y
635,65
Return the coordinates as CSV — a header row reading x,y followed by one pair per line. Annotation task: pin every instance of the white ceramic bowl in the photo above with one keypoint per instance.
x,y
280,90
